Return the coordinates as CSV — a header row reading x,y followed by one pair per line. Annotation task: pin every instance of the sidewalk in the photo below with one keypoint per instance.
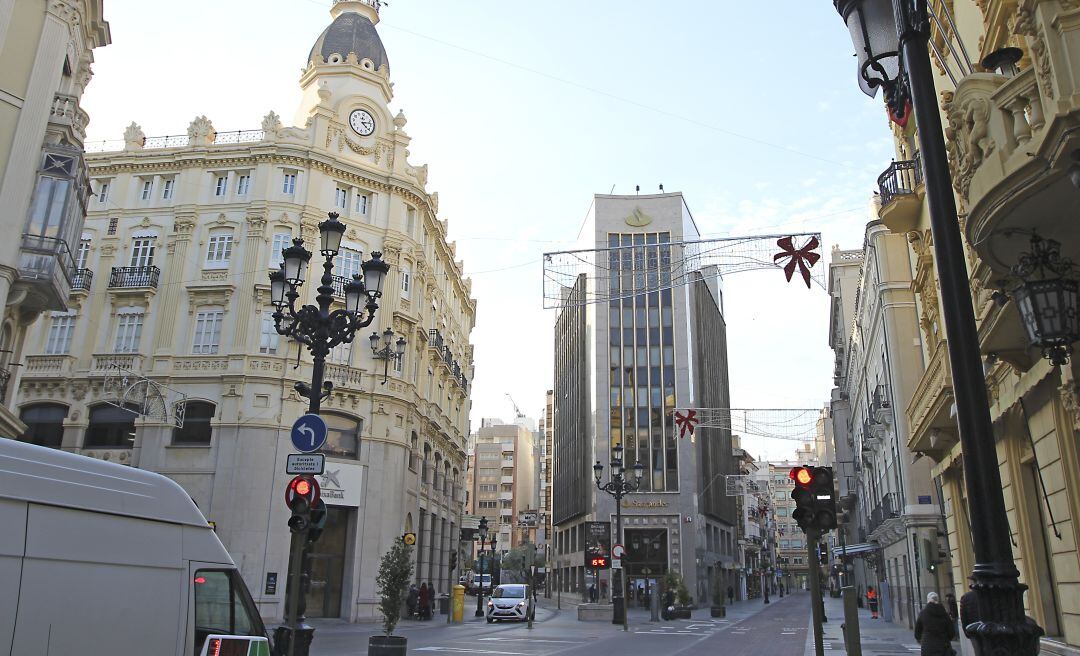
x,y
877,637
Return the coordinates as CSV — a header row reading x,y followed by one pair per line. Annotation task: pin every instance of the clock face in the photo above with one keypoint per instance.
x,y
362,122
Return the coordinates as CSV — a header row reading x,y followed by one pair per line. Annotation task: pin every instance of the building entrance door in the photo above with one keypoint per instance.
x,y
327,558
646,562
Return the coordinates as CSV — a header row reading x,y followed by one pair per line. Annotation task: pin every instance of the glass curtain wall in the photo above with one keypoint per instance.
x,y
642,352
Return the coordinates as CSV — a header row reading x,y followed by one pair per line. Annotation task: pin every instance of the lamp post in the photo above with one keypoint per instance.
x,y
1047,297
391,351
618,486
482,532
891,39
320,329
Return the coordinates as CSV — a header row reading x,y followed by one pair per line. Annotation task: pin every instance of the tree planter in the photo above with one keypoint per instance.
x,y
676,613
383,645
718,611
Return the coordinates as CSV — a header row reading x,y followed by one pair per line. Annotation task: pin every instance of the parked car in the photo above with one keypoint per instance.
x,y
476,581
512,601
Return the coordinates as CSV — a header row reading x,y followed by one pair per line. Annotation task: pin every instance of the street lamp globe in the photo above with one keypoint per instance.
x,y
374,272
278,289
483,530
877,45
387,337
374,339
296,262
355,295
639,471
399,346
598,471
616,461
330,232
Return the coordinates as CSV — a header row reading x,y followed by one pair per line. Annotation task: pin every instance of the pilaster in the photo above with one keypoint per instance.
x,y
173,287
253,255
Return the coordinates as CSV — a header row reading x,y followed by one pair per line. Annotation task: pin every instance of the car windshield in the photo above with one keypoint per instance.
x,y
512,592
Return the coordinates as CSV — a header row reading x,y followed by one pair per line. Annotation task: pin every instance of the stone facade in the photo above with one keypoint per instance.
x,y
47,48
1012,148
173,289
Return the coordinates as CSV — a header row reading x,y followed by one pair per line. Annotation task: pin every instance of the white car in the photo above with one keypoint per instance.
x,y
513,601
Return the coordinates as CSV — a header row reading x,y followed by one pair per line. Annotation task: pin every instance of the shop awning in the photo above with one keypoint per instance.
x,y
853,549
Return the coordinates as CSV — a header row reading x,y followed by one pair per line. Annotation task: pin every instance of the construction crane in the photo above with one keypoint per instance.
x,y
518,414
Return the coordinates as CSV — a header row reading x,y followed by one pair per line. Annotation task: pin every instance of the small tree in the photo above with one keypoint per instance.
x,y
395,570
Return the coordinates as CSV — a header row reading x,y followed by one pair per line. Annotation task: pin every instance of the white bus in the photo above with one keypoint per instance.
x,y
101,559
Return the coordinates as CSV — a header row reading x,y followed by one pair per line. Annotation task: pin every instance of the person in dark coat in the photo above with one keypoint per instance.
x,y
412,600
731,594
935,629
425,601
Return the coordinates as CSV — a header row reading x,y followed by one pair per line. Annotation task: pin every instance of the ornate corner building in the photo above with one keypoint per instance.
x,y
170,304
47,49
1013,144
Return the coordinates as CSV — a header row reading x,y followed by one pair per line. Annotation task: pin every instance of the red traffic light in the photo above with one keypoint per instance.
x,y
802,476
302,488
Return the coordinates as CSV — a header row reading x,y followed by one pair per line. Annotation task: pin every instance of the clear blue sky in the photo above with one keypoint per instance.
x,y
525,109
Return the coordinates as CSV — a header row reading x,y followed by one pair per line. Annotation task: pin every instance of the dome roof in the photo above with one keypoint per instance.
x,y
351,32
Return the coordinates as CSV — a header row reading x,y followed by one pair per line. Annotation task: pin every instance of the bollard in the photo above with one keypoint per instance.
x,y
852,639
457,604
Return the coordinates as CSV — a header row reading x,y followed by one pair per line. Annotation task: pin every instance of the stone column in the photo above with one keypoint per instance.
x,y
171,286
421,542
250,273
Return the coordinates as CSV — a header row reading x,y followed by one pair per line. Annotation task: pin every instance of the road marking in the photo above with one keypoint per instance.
x,y
473,651
567,642
675,633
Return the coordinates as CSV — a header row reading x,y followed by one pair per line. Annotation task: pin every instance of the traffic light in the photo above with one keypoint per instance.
x,y
318,521
823,552
815,498
824,499
803,497
301,495
453,560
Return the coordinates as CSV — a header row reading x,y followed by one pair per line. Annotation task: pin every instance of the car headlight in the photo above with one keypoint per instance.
x,y
521,604
491,605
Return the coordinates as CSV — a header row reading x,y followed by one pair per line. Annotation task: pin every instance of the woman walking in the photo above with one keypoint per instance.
x,y
935,629
871,601
425,602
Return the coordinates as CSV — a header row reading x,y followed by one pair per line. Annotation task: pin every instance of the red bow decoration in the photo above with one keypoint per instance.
x,y
686,422
803,258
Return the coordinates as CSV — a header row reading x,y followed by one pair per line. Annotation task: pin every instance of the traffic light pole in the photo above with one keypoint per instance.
x,y
292,590
812,538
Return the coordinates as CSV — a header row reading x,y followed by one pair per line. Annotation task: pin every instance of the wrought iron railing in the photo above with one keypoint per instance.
x,y
900,178
5,378
82,279
339,286
436,339
881,513
128,277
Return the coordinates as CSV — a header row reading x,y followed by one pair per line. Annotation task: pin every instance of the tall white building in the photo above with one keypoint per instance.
x,y
171,288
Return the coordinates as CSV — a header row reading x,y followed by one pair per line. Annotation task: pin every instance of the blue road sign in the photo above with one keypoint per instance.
x,y
309,433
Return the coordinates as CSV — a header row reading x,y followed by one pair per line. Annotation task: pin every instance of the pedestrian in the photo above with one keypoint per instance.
x,y
969,610
425,600
871,601
934,629
592,593
412,599
950,606
431,599
731,594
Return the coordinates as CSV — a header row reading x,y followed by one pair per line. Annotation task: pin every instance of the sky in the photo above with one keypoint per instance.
x,y
524,110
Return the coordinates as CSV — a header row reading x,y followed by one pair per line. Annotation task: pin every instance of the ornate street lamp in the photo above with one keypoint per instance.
x,y
1047,298
320,329
618,486
390,351
482,532
883,32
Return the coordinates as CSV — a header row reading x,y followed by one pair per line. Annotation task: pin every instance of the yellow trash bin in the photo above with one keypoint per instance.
x,y
457,603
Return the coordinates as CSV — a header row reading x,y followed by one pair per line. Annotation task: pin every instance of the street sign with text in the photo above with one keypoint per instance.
x,y
305,463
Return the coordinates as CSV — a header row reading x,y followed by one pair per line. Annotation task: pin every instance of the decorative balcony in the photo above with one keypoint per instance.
x,y
48,366
105,363
139,278
46,265
933,429
901,192
1014,143
65,111
339,286
435,340
82,280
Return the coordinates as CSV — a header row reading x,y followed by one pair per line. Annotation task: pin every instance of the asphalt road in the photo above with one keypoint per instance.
x,y
779,629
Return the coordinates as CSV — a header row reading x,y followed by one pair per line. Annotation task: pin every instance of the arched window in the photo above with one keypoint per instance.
x,y
44,424
446,477
197,429
342,435
425,464
111,427
414,451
